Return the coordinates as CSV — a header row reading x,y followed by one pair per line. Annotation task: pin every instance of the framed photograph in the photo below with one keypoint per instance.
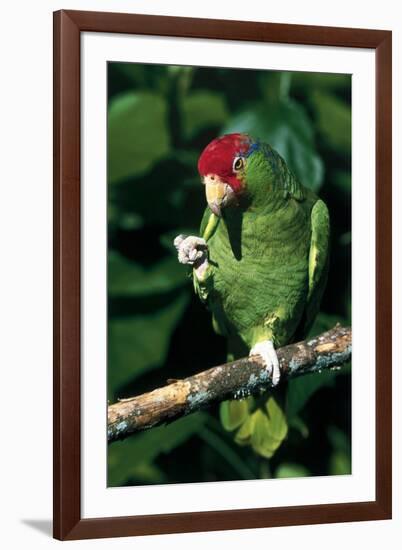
x,y
222,219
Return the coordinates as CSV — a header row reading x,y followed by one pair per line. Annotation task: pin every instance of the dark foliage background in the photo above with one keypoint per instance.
x,y
159,120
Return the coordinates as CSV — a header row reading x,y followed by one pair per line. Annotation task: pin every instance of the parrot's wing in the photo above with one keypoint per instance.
x,y
209,223
318,262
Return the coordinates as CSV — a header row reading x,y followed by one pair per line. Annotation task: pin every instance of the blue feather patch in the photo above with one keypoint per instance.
x,y
253,148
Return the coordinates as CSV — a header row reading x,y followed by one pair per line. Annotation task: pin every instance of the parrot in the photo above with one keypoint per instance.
x,y
259,264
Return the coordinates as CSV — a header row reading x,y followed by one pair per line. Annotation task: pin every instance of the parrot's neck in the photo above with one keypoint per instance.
x,y
262,203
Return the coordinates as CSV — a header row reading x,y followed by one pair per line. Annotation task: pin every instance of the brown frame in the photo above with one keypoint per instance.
x,y
68,26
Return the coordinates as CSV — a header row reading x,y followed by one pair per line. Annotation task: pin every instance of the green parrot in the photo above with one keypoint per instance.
x,y
260,265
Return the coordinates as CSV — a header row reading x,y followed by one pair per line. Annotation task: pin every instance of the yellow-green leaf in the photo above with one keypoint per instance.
x,y
277,419
288,469
269,429
261,440
244,433
233,413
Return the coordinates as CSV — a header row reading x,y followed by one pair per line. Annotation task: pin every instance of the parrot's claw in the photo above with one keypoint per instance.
x,y
267,351
191,250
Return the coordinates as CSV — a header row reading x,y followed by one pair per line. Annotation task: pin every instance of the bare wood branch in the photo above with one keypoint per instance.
x,y
234,380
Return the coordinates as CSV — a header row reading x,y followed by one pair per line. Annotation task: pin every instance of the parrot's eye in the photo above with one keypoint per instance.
x,y
238,164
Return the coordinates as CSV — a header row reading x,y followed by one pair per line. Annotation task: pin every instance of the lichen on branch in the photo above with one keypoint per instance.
x,y
235,380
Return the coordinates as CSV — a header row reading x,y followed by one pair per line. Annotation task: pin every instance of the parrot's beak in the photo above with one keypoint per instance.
x,y
219,194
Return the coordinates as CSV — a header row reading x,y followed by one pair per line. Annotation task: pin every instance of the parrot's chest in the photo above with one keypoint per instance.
x,y
259,268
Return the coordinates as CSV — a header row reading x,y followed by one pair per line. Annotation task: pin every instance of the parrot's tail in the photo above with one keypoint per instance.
x,y
259,422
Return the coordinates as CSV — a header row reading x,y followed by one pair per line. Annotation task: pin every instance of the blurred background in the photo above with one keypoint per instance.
x,y
159,120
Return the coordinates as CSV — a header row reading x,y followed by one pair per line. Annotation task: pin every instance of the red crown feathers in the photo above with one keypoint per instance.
x,y
217,158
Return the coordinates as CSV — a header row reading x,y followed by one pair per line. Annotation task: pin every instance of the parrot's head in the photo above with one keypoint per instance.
x,y
232,168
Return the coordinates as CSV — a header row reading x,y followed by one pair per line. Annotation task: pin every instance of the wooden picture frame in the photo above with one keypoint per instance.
x,y
68,26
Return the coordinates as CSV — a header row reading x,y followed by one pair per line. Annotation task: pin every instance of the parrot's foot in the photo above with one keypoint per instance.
x,y
192,251
267,351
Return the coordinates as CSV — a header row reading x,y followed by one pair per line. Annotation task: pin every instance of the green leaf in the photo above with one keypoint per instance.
x,y
298,424
346,239
128,278
342,181
136,73
202,109
302,81
163,197
147,473
285,125
231,456
338,439
334,120
139,343
233,413
289,469
137,134
301,389
275,85
340,464
125,457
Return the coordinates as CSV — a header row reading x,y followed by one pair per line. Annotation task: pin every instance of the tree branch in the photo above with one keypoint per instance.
x,y
234,380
